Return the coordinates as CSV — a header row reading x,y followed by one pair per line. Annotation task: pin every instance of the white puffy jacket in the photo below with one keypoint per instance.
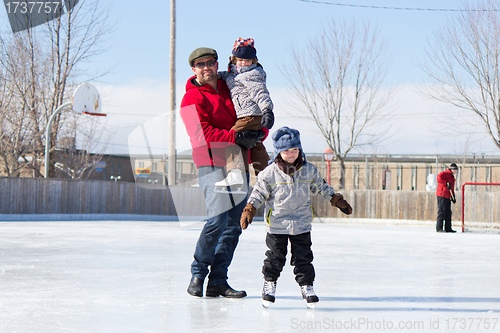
x,y
288,197
247,85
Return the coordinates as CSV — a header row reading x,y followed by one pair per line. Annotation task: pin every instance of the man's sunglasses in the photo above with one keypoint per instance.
x,y
201,65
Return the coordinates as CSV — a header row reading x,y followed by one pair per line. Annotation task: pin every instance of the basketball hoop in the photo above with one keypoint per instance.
x,y
86,100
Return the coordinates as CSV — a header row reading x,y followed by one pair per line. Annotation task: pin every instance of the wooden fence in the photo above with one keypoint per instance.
x,y
379,204
482,209
56,196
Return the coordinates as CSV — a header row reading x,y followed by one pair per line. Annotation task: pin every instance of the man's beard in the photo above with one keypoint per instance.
x,y
208,76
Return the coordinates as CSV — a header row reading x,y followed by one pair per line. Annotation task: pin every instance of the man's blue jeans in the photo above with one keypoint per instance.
x,y
219,237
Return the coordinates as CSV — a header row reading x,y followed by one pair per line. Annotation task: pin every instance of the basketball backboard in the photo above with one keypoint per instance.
x,y
86,100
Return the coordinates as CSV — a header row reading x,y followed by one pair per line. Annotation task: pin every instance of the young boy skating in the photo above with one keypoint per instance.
x,y
286,186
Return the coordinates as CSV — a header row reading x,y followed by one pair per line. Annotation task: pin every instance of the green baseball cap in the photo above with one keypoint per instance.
x,y
201,52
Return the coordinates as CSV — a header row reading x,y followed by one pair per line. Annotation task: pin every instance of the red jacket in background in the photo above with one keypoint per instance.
x,y
442,188
208,116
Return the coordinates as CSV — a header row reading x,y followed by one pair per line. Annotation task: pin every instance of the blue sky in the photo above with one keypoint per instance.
x,y
141,40
138,88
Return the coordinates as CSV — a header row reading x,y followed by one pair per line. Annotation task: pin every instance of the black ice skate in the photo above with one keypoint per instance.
x,y
309,296
268,293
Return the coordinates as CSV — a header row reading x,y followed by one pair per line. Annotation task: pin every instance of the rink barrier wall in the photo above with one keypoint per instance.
x,y
482,208
56,196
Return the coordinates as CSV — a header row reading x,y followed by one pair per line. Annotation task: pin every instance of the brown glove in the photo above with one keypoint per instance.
x,y
335,198
247,216
344,207
339,202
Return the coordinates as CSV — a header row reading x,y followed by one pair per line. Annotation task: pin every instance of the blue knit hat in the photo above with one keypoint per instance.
x,y
286,138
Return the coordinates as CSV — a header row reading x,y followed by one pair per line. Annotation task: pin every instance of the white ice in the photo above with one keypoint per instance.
x,y
132,277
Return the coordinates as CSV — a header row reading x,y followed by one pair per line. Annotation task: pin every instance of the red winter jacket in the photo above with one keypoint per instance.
x,y
208,116
442,189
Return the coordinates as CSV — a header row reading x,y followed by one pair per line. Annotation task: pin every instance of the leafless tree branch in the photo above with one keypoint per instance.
x,y
463,65
337,80
39,68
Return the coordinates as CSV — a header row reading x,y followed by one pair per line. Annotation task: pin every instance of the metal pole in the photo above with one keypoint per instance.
x,y
47,137
328,172
463,192
366,173
171,138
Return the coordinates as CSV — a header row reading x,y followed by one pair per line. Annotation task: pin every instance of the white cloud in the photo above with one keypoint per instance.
x,y
419,122
421,126
132,105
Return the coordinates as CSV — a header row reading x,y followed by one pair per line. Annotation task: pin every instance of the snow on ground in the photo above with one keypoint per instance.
x,y
110,276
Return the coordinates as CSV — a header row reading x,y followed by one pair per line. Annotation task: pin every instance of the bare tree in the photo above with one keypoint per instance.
x,y
91,138
21,73
337,80
464,65
40,68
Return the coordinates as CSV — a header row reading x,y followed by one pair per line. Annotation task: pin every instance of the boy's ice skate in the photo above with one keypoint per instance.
x,y
309,296
268,293
233,183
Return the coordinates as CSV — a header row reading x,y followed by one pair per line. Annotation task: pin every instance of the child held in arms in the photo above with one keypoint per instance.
x,y
246,80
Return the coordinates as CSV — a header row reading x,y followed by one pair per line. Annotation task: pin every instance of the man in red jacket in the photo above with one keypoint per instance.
x,y
208,115
445,196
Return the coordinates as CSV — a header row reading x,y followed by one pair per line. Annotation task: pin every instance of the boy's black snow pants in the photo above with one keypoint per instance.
x,y
302,257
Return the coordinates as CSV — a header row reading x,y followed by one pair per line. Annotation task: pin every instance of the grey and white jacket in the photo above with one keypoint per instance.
x,y
247,85
288,197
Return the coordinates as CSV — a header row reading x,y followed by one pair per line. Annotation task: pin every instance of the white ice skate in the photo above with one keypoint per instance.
x,y
268,293
233,183
309,296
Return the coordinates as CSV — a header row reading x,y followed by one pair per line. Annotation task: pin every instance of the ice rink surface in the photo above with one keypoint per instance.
x,y
132,277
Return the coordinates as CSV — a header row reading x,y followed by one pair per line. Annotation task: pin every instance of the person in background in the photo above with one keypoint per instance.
x,y
445,196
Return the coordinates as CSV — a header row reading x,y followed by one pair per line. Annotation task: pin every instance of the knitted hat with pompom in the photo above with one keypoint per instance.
x,y
244,49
